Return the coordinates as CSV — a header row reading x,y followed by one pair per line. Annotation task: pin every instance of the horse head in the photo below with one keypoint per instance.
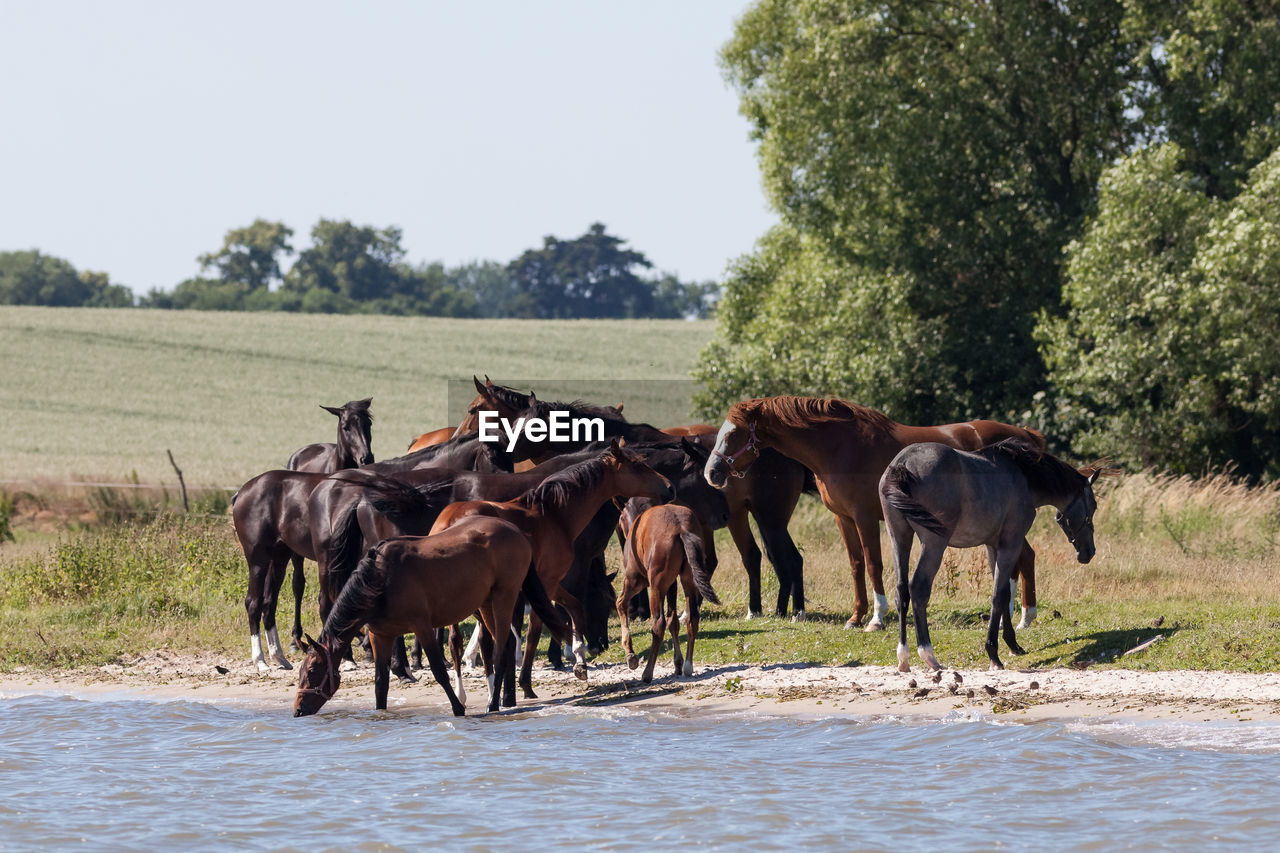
x,y
355,440
318,677
1076,518
734,442
635,477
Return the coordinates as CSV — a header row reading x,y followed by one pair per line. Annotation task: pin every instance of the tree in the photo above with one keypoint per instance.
x,y
495,292
34,278
939,156
591,276
251,256
1168,356
357,262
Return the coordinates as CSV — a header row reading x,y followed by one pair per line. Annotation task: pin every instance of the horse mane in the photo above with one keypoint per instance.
x,y
563,486
1044,472
359,595
800,412
509,397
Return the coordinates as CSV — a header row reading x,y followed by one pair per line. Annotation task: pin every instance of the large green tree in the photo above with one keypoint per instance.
x,y
252,255
934,158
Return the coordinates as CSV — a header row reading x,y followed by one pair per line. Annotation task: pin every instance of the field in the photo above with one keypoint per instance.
x,y
106,574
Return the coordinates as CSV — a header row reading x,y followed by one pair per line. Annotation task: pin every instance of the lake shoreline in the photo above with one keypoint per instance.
x,y
793,690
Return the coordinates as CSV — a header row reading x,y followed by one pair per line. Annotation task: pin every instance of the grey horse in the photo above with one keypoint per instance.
x,y
950,497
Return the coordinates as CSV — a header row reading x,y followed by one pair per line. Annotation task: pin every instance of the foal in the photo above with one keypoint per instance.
x,y
664,544
416,584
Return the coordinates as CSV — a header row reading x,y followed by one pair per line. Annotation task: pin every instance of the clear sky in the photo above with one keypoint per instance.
x,y
136,134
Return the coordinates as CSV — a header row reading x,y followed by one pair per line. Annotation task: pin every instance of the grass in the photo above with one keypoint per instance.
x,y
1195,556
101,394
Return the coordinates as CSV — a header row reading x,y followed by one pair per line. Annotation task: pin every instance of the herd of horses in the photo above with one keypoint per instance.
x,y
458,527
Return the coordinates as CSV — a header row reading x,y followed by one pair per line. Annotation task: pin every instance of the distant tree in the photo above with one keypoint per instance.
x,y
590,276
673,298
251,256
494,289
360,263
33,278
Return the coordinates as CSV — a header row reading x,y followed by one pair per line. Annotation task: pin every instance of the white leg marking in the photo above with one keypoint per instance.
x,y
459,689
879,608
904,658
255,649
277,652
926,655
473,649
1028,616
688,667
798,616
492,681
1013,594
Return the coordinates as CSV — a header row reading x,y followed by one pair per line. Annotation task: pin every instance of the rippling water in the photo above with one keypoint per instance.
x,y
131,772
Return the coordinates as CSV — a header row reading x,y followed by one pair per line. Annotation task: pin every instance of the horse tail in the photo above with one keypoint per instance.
x,y
695,551
359,596
898,484
536,594
409,507
342,551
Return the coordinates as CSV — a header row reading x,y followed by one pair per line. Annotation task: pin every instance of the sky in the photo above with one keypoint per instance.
x,y
136,134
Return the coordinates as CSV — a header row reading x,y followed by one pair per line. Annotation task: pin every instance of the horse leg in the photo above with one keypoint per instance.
x,y
382,649
531,641
624,617
455,652
400,663
299,590
439,668
577,618
1026,570
868,524
694,602
1003,559
508,684
900,536
740,530
789,566
271,595
485,646
259,567
658,628
921,586
853,547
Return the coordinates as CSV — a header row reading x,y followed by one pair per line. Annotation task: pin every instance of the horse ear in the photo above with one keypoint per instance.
x,y
367,401
610,577
476,380
307,643
1094,476
619,407
332,410
614,445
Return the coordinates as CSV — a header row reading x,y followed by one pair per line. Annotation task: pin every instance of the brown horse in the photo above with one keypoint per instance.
x,y
664,544
431,439
353,448
848,447
767,489
416,584
552,515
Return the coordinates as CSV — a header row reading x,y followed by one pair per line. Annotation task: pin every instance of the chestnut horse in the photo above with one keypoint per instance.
x,y
664,544
953,498
353,448
551,516
848,447
416,584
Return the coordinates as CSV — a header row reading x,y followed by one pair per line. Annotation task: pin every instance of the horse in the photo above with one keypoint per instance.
x,y
847,447
961,499
665,544
352,449
767,489
432,438
416,584
552,515
270,516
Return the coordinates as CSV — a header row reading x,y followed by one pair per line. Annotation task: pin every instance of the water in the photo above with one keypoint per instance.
x,y
132,772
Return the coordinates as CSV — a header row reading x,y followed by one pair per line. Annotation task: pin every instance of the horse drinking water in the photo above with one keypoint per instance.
x,y
989,497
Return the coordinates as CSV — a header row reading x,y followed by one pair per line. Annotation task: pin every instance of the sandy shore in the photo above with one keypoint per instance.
x,y
770,689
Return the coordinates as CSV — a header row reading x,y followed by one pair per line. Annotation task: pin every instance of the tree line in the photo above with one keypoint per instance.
x,y
351,268
1062,214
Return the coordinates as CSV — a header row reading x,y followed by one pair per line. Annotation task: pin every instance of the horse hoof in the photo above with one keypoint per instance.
x,y
753,614
688,668
852,624
406,678
1016,649
995,666
263,668
529,694
284,664
647,677
873,626
580,672
633,662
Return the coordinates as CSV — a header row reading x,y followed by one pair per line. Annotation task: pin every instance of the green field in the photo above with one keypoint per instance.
x,y
98,394
90,394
